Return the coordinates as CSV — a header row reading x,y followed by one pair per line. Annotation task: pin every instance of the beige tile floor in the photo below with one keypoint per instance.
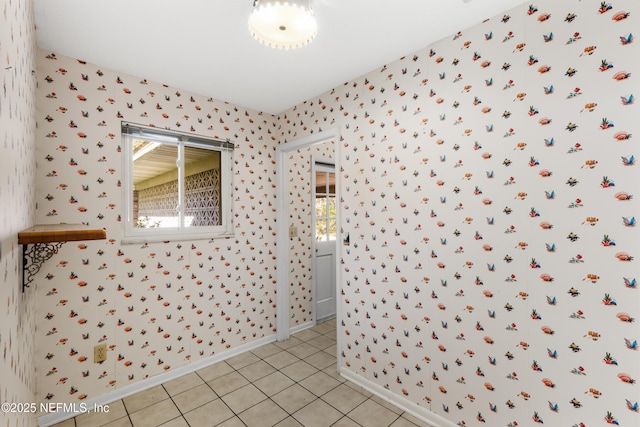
x,y
284,384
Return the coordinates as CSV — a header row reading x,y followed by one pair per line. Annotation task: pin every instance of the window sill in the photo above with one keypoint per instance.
x,y
138,240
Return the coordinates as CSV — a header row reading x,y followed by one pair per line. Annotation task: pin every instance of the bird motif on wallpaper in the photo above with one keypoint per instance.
x,y
625,40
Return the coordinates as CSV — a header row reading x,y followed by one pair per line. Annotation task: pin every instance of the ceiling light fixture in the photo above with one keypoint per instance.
x,y
283,24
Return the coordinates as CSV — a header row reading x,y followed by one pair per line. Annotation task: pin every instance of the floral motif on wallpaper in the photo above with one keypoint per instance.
x,y
489,191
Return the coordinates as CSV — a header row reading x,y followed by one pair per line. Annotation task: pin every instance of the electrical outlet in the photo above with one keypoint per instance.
x,y
100,353
293,231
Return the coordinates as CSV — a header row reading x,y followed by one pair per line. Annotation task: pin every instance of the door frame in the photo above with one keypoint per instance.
x,y
315,161
283,329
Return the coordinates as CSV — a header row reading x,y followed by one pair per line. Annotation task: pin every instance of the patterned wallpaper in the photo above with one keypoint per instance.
x,y
17,205
489,191
299,163
157,306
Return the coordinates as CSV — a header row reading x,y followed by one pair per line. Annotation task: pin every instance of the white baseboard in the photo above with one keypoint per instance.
x,y
120,393
419,412
302,327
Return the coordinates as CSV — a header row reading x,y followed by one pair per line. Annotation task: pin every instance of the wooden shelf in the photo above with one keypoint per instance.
x,y
47,233
46,240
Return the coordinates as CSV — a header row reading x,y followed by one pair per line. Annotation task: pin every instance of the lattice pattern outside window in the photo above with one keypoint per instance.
x,y
202,197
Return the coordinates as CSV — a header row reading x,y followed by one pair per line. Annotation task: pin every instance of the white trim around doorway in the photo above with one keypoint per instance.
x,y
282,263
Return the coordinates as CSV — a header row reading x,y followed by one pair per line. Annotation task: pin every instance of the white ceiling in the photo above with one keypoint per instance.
x,y
204,46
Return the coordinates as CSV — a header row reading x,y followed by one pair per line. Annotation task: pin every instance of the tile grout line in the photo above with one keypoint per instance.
x,y
176,405
295,382
330,334
126,411
317,397
269,397
219,397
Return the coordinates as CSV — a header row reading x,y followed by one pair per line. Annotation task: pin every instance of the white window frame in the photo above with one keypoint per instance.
x,y
327,168
132,131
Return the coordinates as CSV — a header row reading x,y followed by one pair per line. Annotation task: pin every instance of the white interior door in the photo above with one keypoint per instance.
x,y
325,232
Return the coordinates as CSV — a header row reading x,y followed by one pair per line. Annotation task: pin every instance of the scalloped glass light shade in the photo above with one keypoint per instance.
x,y
283,24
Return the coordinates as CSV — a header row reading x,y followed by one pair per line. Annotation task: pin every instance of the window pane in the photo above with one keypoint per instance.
x,y
321,182
202,187
332,182
332,229
179,184
321,230
155,182
331,207
321,206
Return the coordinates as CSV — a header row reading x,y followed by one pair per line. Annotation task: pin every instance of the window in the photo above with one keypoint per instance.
x,y
325,203
178,185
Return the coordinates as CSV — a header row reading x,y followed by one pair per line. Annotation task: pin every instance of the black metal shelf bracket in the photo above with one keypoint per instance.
x,y
33,256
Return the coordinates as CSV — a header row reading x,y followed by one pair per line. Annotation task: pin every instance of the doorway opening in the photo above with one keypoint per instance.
x,y
283,239
325,231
